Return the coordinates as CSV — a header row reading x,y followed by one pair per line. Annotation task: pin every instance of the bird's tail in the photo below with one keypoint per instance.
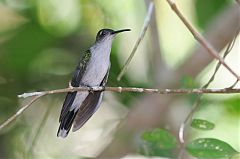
x,y
66,123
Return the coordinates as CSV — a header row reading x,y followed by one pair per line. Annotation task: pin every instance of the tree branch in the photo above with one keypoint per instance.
x,y
219,33
136,90
200,38
37,95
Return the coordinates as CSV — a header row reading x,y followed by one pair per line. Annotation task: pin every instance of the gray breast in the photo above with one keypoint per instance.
x,y
98,65
96,70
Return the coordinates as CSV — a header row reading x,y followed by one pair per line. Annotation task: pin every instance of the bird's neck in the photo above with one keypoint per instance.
x,y
102,49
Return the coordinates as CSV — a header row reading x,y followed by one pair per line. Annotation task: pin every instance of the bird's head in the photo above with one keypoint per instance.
x,y
107,34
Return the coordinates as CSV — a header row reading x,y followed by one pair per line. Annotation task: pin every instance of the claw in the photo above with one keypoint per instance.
x,y
70,85
91,89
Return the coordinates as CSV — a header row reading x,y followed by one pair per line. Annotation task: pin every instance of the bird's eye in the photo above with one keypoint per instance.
x,y
102,33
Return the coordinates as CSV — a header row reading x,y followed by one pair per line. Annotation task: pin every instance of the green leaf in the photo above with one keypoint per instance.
x,y
210,148
202,124
157,142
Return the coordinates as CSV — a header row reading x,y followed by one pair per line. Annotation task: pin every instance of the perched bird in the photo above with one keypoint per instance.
x,y
92,70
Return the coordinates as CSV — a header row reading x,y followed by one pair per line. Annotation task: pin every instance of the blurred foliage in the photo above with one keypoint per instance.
x,y
158,142
207,10
232,105
190,83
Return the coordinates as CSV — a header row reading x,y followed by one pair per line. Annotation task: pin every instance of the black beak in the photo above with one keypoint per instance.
x,y
119,31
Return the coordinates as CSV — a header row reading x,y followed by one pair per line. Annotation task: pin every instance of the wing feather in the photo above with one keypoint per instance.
x,y
75,82
67,115
89,106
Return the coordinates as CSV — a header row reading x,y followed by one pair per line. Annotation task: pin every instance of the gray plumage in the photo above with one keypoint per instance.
x,y
92,70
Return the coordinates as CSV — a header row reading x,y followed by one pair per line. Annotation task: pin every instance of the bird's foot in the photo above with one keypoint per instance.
x,y
91,90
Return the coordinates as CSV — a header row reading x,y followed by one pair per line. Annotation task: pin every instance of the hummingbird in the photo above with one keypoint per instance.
x,y
92,70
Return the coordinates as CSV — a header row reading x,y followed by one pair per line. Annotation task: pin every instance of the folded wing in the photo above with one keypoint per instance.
x,y
89,106
67,115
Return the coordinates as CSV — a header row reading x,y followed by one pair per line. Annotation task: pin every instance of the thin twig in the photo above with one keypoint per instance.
x,y
145,26
228,50
198,100
19,112
200,38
